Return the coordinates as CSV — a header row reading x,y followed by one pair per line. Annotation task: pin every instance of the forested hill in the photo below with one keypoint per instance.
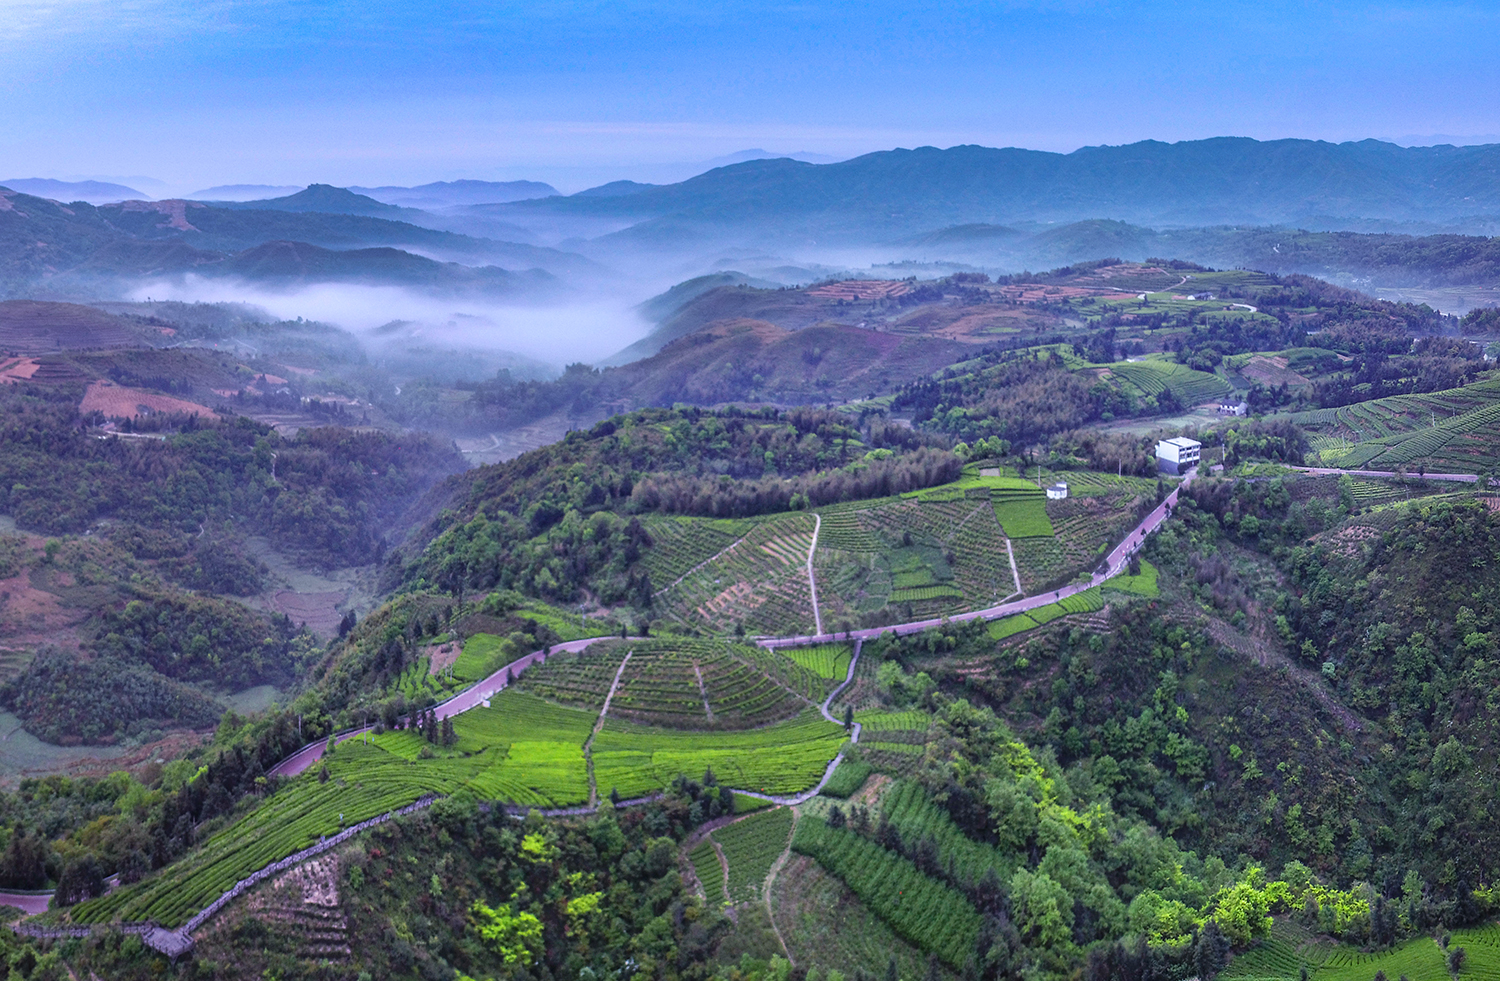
x,y
1223,180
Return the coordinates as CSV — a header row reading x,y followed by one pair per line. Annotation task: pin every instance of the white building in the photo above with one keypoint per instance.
x,y
1177,455
1058,491
1233,408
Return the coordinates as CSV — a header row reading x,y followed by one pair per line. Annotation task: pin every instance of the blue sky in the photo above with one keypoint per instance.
x,y
292,91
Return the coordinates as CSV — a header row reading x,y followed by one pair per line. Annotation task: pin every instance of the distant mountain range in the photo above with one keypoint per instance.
x,y
886,196
82,248
94,192
448,194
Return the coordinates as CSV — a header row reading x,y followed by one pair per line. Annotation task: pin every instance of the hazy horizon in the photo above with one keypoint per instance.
x,y
577,95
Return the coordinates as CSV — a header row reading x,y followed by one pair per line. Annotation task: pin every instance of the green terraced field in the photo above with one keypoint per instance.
x,y
758,581
1456,430
680,683
830,661
779,759
1189,386
751,847
847,779
710,872
1022,511
920,909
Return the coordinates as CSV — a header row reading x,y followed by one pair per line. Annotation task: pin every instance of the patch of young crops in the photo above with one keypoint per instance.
x,y
760,582
830,661
842,528
778,759
1270,960
918,593
1419,959
847,779
1189,386
1141,585
925,912
880,720
751,847
1022,512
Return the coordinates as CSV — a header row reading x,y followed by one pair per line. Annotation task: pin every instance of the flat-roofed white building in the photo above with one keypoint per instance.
x,y
1058,491
1177,455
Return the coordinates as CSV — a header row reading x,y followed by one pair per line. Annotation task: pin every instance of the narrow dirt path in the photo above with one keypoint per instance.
x,y
1014,572
765,896
703,691
812,582
588,746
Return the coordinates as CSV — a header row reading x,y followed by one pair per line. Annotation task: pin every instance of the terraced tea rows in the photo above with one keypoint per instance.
x,y
1022,512
779,759
828,661
759,582
678,544
1189,386
1456,430
751,847
925,912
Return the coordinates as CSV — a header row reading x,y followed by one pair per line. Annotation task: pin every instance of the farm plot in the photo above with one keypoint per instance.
x,y
678,544
751,847
923,911
1153,377
1454,430
708,869
704,684
365,781
935,556
781,759
847,779
1022,511
580,680
829,661
907,807
760,582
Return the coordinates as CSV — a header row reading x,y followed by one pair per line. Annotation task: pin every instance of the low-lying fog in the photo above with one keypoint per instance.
x,y
560,333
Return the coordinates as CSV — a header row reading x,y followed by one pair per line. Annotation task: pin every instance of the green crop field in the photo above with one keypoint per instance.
x,y
751,847
1022,511
710,872
521,750
483,654
679,683
938,553
758,580
880,720
847,779
1456,430
678,544
778,759
1189,386
907,807
829,661
925,912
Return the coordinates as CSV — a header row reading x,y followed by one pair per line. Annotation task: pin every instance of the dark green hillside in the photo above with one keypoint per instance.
x,y
333,495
